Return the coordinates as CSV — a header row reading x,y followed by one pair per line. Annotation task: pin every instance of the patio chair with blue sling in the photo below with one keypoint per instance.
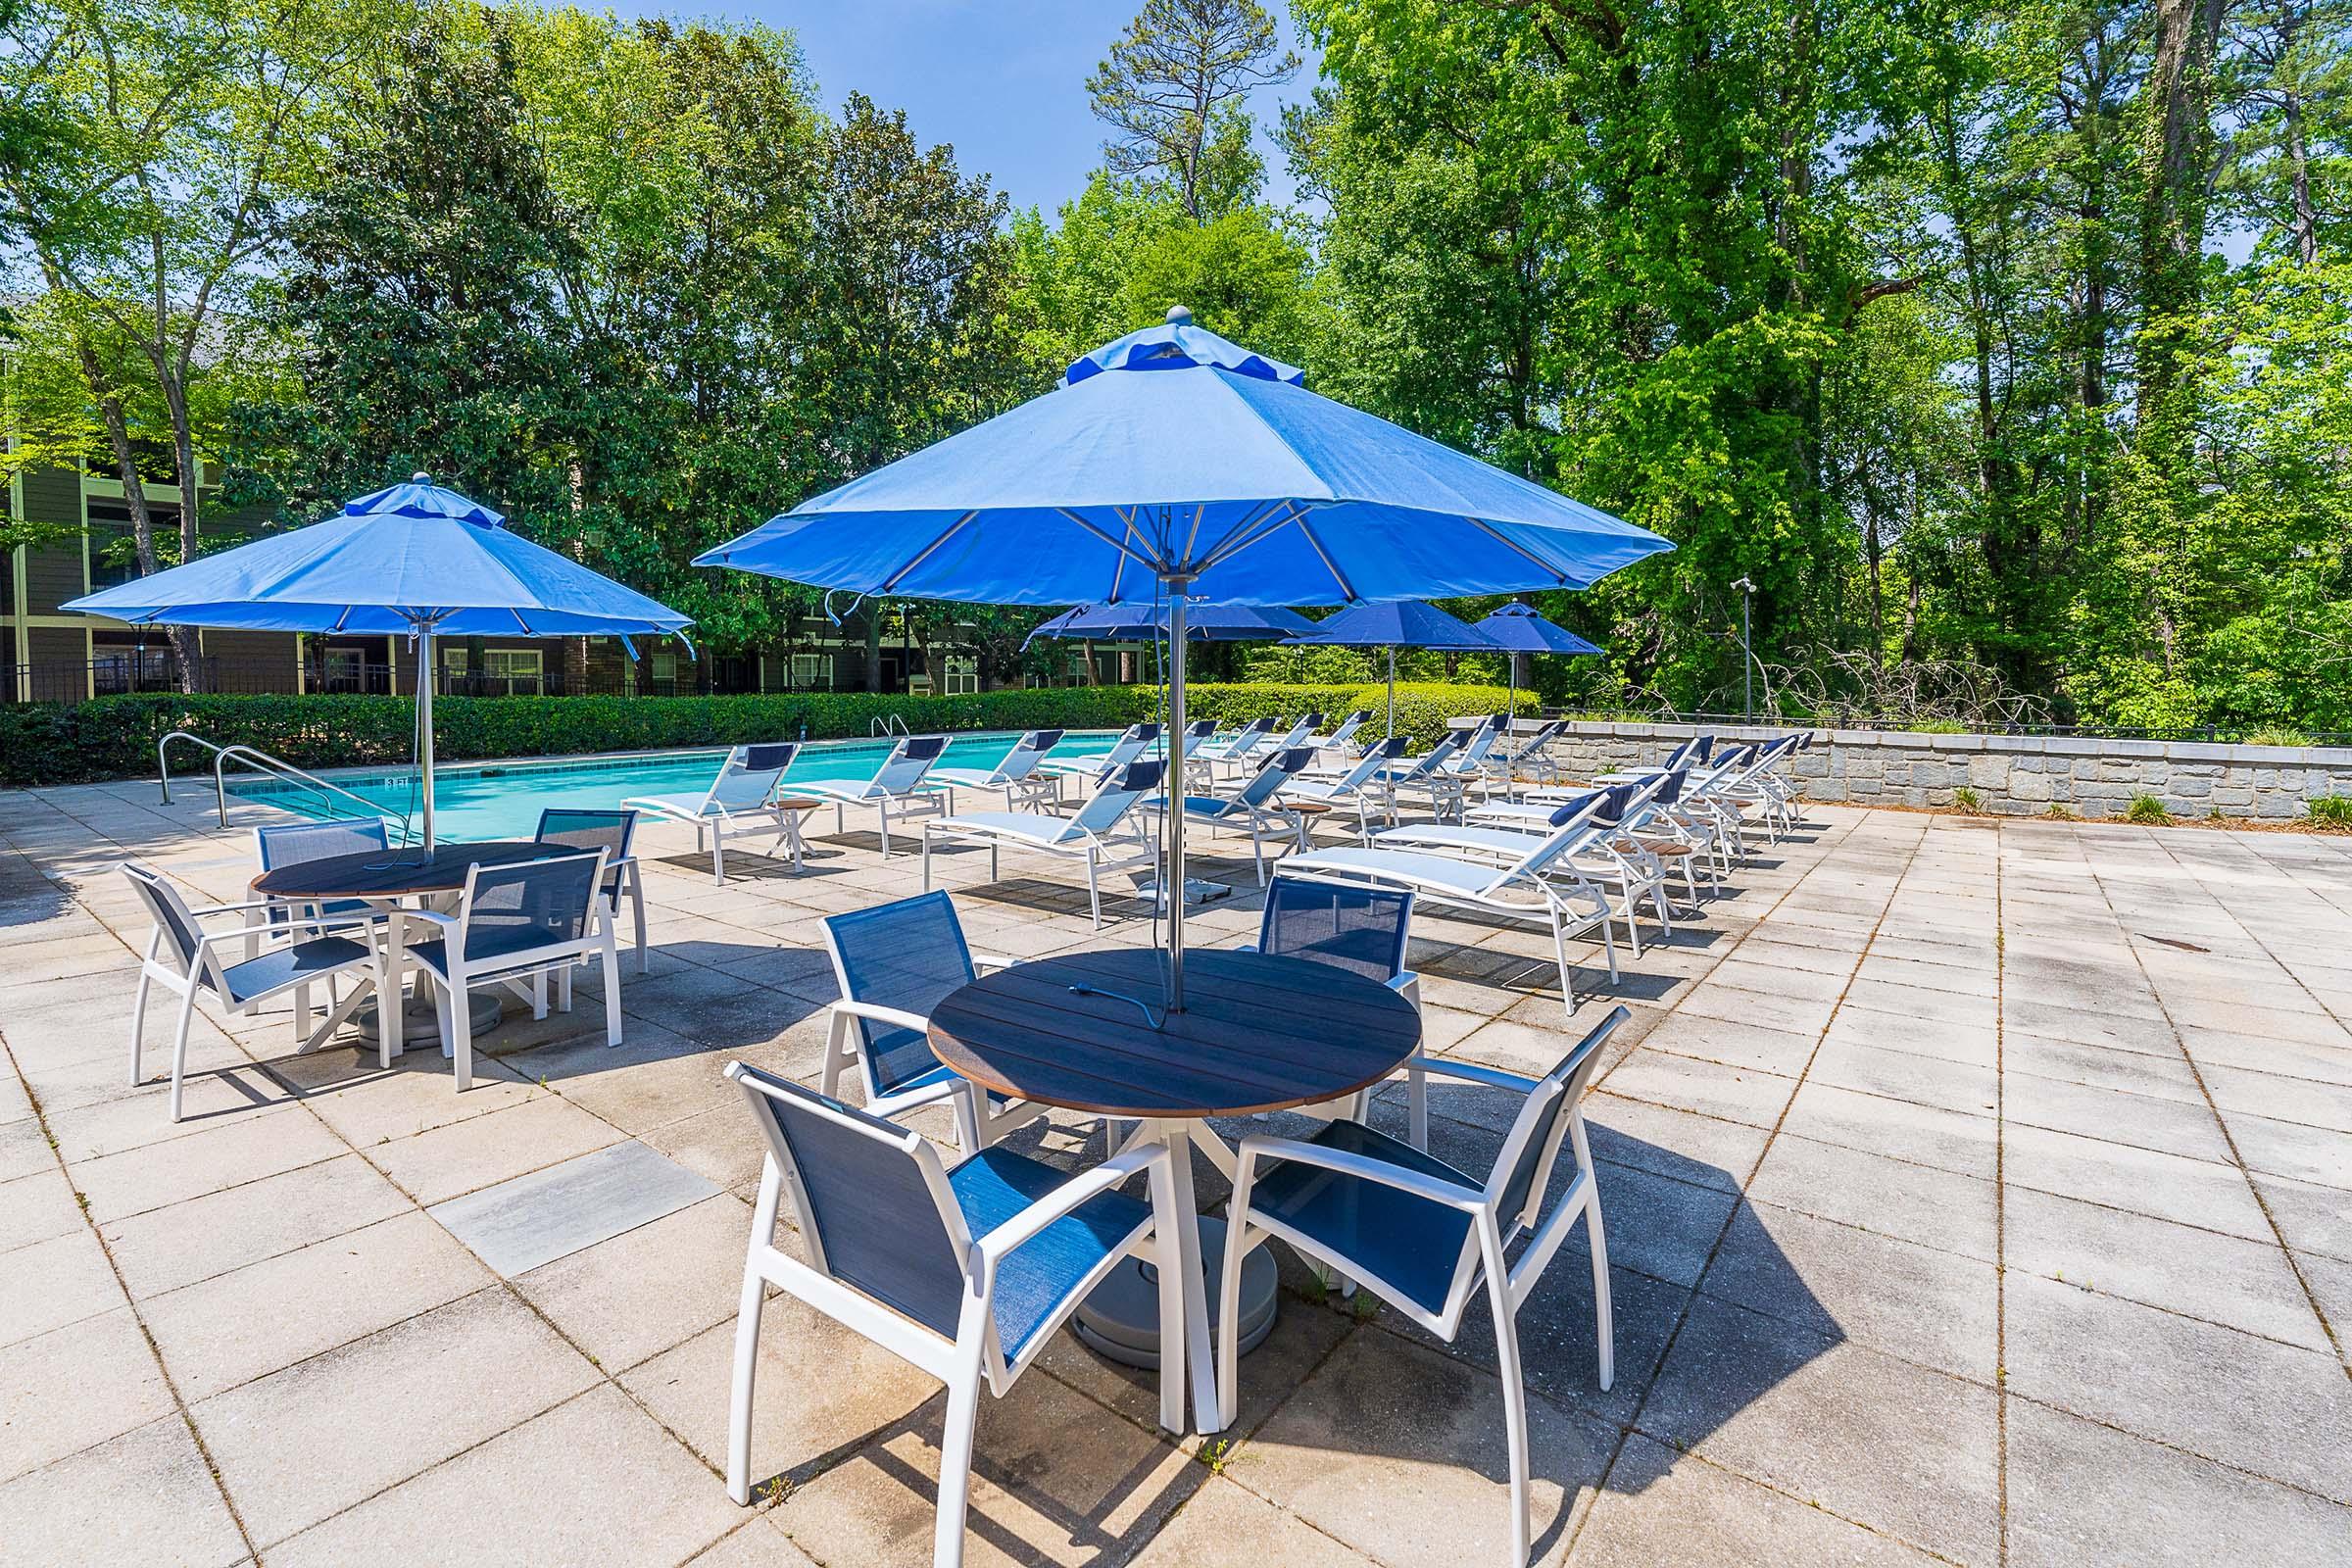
x,y
894,963
1133,742
1520,877
1341,738
901,783
1101,832
1425,1235
517,923
964,1271
1346,925
584,828
740,802
185,960
1616,857
1018,776
1254,807
291,844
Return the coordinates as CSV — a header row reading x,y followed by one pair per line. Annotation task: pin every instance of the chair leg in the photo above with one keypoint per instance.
x,y
836,1053
459,1022
969,1118
956,1454
1416,1090
1229,1297
747,1337
1604,1323
1093,890
138,1020
1514,1390
926,859
179,1044
1171,1299
611,956
538,993
718,857
637,913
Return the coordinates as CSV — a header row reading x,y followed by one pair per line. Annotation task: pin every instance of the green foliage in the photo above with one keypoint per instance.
x,y
2147,811
114,737
1171,91
2329,811
1968,800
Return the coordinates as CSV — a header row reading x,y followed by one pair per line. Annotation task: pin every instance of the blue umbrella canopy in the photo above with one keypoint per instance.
x,y
412,558
1141,621
1394,624
1519,628
1173,454
1173,462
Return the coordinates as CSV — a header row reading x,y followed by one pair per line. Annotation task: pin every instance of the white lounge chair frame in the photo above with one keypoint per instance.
x,y
740,802
1102,832
902,782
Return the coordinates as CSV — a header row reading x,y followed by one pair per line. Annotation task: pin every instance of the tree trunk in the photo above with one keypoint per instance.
x,y
2176,146
2298,162
185,649
184,463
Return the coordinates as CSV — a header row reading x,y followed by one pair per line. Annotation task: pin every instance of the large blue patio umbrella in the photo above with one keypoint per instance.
x,y
1518,627
1398,623
1173,463
414,558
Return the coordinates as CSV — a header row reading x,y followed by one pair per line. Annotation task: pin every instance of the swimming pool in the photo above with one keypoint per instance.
x,y
503,801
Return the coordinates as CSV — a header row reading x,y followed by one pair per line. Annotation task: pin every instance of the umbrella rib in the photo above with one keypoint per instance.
x,y
1308,530
898,576
1118,545
1265,528
1520,550
1219,550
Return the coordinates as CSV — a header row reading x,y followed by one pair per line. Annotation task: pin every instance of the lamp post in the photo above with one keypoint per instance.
x,y
1747,659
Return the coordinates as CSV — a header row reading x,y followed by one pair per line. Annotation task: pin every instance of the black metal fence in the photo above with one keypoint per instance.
x,y
156,670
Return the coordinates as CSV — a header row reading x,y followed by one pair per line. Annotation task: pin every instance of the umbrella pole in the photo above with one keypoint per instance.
x,y
1513,657
425,728
1171,885
1392,730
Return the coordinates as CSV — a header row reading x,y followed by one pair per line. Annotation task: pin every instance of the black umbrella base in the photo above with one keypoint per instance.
x,y
419,1021
1120,1319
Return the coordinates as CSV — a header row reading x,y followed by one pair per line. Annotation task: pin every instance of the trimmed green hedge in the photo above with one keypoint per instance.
x,y
114,737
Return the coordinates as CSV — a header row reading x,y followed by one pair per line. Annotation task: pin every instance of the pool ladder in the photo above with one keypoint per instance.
x,y
888,726
268,766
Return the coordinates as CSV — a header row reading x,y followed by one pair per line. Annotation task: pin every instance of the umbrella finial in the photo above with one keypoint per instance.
x,y
421,477
1178,315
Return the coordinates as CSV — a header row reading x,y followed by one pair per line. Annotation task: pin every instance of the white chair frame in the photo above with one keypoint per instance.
x,y
720,821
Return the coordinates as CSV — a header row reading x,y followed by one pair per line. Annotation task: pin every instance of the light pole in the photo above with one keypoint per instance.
x,y
1747,661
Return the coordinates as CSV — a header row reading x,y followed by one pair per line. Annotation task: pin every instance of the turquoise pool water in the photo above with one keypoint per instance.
x,y
473,802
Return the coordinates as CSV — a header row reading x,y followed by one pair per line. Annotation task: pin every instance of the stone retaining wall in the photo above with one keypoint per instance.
x,y
2016,776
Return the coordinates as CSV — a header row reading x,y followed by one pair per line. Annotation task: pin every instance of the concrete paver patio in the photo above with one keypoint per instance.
x,y
1977,1192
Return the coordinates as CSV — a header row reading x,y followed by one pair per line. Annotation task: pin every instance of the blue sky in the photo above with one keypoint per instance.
x,y
1004,80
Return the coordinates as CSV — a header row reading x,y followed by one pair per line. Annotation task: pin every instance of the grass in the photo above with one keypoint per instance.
x,y
1967,800
2060,811
2330,812
1214,1452
2149,811
2276,735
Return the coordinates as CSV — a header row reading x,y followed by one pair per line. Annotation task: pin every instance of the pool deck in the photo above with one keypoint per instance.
x,y
1978,1192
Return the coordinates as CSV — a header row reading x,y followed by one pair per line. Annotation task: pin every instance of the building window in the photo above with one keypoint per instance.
x,y
961,677
505,672
813,671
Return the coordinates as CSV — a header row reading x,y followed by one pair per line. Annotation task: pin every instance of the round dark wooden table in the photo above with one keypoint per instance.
x,y
1257,1033
385,876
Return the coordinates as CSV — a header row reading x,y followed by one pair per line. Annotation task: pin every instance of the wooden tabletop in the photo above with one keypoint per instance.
x,y
1257,1033
396,873
797,802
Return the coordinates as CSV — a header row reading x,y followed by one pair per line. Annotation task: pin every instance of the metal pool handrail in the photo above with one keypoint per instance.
x,y
886,726
263,762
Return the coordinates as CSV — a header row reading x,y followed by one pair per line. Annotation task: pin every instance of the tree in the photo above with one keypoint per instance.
x,y
175,134
1169,90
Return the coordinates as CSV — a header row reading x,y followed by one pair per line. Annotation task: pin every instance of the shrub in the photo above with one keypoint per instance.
x,y
2276,735
1967,800
114,737
2148,810
2329,811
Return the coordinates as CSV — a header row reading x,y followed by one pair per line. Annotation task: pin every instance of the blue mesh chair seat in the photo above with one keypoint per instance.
x,y
896,962
1255,808
534,920
1346,925
185,960
1427,1235
963,1272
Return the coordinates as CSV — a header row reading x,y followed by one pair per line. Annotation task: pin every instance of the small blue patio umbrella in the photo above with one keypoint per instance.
x,y
414,558
1172,463
1519,628
1399,623
1141,621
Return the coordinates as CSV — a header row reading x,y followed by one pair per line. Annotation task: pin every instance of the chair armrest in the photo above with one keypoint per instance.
x,y
881,1014
1472,1072
249,933
274,901
1058,1205
985,961
1258,1145
1401,980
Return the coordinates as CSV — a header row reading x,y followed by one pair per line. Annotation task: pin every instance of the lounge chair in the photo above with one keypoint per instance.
x,y
1019,775
1352,788
184,959
515,922
1509,758
896,962
1614,857
1253,806
964,1271
1341,738
1099,832
1133,742
1426,1236
901,782
739,802
1534,883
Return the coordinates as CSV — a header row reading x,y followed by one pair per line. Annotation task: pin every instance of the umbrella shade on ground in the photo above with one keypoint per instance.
x,y
1172,463
414,558
1398,623
1519,628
